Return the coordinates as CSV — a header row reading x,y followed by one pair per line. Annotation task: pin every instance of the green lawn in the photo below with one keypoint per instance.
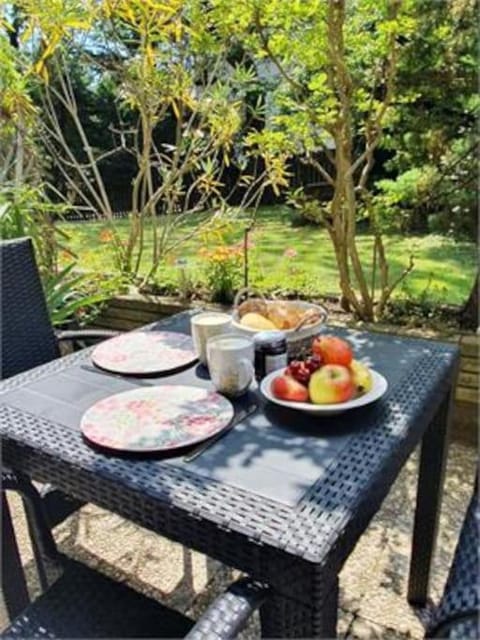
x,y
444,269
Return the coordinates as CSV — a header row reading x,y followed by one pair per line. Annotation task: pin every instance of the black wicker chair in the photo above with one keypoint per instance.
x,y
457,616
27,336
27,339
82,603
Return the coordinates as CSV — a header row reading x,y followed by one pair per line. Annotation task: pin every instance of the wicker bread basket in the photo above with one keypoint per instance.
x,y
299,338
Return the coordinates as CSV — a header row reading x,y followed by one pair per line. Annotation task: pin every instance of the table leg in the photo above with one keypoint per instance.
x,y
285,618
14,587
429,496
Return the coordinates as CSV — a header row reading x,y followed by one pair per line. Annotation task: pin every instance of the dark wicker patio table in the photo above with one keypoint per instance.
x,y
297,548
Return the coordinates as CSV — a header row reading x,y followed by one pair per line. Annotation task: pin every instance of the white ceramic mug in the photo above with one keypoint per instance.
x,y
230,363
207,325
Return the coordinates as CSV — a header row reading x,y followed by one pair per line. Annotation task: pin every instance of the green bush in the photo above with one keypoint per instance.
x,y
402,203
426,199
76,298
26,211
70,297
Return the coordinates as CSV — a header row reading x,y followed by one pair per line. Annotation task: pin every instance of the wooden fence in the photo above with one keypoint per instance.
x,y
301,175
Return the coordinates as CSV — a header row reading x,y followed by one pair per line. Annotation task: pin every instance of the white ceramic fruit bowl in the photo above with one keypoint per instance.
x,y
380,386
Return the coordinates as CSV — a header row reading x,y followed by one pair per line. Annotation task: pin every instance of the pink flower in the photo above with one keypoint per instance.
x,y
240,245
290,253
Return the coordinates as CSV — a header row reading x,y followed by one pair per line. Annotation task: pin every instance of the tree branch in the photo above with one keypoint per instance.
x,y
318,167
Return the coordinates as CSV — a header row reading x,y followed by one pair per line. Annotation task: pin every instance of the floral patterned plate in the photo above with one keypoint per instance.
x,y
145,352
156,418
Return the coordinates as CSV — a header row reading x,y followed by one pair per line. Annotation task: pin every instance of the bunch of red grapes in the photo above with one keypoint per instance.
x,y
301,370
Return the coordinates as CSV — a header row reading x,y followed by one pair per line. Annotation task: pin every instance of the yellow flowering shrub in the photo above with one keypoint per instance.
x,y
223,271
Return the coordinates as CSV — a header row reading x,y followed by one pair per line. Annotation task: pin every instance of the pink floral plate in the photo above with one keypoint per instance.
x,y
156,418
145,352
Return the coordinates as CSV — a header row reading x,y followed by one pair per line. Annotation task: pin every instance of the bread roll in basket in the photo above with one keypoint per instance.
x,y
299,320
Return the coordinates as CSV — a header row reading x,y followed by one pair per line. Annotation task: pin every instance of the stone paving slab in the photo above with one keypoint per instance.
x,y
372,583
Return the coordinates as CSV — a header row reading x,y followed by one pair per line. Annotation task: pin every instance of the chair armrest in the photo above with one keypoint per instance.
x,y
463,626
86,334
457,613
229,613
75,340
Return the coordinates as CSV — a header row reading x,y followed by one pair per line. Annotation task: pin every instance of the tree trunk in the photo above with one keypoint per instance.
x,y
353,282
19,157
469,314
366,298
20,130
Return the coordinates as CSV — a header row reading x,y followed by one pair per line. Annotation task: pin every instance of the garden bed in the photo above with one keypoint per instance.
x,y
286,257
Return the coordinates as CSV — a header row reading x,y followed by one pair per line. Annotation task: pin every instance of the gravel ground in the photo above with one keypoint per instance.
x,y
372,583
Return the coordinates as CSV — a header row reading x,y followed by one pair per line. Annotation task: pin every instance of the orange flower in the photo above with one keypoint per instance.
x,y
105,235
220,254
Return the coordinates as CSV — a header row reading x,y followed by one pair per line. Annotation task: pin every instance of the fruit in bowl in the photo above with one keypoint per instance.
x,y
330,384
301,370
329,376
332,350
362,377
287,388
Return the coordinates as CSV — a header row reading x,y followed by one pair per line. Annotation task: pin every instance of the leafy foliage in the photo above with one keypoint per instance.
x,y
26,211
70,296
439,199
69,299
176,112
147,106
433,137
330,68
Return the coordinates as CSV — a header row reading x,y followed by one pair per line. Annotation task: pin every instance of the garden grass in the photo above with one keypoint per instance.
x,y
444,269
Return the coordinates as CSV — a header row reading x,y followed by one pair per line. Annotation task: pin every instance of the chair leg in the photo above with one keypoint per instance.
x,y
45,552
14,586
43,543
37,553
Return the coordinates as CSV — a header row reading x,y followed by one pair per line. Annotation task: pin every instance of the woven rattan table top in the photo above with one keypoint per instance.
x,y
326,521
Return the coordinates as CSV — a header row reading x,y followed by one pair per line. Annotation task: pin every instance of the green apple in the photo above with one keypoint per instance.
x,y
331,384
362,377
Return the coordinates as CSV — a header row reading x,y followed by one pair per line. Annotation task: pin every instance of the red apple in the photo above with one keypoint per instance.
x,y
331,384
287,388
332,350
